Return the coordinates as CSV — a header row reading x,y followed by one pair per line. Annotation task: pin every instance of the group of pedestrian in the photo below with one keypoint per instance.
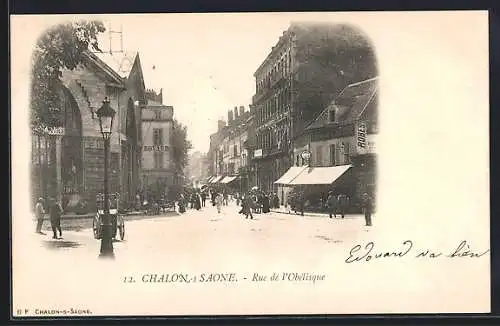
x,y
54,209
337,204
297,201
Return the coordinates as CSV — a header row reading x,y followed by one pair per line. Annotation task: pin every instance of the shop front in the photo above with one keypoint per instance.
x,y
283,183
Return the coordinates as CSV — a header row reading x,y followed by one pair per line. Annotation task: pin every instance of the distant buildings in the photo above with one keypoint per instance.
x,y
197,169
228,155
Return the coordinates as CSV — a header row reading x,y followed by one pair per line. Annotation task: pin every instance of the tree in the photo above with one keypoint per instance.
x,y
180,147
60,47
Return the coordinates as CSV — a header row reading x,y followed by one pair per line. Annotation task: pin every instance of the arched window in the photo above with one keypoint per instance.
x,y
72,147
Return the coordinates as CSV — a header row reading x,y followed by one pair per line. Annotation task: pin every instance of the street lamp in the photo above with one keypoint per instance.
x,y
306,156
106,115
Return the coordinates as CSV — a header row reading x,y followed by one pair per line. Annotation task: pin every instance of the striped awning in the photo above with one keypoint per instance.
x,y
217,179
320,175
227,180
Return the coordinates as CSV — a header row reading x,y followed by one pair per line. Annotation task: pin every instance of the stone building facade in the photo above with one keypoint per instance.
x,y
310,65
72,159
157,174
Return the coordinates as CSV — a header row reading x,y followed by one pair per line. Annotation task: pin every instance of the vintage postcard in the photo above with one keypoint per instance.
x,y
250,164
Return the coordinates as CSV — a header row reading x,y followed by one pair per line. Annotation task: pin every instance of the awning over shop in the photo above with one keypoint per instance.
x,y
291,174
320,175
228,179
210,179
217,179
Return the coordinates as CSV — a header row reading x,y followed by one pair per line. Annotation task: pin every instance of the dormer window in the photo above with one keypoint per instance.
x,y
331,115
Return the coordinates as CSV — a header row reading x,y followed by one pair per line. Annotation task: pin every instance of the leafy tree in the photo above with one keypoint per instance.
x,y
58,48
180,147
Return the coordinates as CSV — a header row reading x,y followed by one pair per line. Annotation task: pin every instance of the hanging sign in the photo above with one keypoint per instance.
x,y
361,141
365,143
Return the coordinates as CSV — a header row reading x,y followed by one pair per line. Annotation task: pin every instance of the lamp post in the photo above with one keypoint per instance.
x,y
106,115
306,156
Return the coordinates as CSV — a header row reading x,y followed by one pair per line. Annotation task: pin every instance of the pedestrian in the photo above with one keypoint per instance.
x,y
55,212
218,202
302,202
367,204
214,194
182,204
265,204
225,196
39,214
203,198
137,202
291,199
197,201
276,201
246,206
343,203
331,203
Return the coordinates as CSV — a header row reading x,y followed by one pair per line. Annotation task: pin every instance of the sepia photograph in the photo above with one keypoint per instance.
x,y
250,164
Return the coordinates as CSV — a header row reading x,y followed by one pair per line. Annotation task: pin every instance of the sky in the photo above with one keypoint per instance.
x,y
204,63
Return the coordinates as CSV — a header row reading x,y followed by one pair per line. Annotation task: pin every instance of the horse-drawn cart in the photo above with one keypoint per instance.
x,y
117,219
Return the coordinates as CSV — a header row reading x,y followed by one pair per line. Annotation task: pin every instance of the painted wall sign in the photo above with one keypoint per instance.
x,y
365,143
361,141
156,148
56,131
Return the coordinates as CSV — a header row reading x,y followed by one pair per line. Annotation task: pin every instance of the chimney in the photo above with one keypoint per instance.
x,y
242,110
220,124
160,96
235,112
229,117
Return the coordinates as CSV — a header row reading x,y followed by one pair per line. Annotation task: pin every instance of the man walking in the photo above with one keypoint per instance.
x,y
246,204
331,203
367,208
39,214
203,198
55,218
342,202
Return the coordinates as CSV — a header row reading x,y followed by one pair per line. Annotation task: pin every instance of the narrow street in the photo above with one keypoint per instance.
x,y
200,233
195,242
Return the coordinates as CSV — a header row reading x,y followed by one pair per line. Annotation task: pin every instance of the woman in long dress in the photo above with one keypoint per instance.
x,y
218,202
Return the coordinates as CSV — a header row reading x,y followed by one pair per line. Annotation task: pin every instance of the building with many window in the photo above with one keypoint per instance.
x,y
157,124
307,68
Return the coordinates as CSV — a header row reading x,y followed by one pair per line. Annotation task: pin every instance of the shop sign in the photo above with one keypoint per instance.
x,y
257,153
156,148
365,143
55,131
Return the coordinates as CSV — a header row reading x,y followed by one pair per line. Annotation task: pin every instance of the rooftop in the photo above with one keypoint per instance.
x,y
121,63
350,103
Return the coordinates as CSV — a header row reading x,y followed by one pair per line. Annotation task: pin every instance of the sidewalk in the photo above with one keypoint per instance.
x,y
283,210
90,215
